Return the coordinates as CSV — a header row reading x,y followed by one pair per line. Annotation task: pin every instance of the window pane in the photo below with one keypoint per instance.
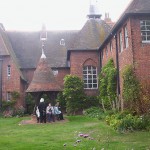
x,y
148,38
143,38
94,81
148,33
85,77
94,72
89,76
89,71
85,81
84,72
89,81
90,86
89,67
84,68
147,22
85,86
95,85
143,28
94,76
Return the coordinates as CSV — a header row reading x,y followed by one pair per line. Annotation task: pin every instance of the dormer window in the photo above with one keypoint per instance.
x,y
62,42
55,72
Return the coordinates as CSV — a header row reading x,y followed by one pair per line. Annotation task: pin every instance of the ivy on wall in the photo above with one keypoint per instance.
x,y
131,88
108,86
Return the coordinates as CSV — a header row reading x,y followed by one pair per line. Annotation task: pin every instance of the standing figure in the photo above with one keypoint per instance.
x,y
37,112
42,110
58,113
49,110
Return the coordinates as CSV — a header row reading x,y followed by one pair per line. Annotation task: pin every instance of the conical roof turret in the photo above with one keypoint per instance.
x,y
43,78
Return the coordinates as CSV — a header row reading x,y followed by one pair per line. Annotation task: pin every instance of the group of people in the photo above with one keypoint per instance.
x,y
48,113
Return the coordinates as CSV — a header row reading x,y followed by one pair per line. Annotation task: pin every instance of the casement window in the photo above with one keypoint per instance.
x,y
145,31
8,71
55,72
106,51
8,96
102,54
90,77
126,41
120,42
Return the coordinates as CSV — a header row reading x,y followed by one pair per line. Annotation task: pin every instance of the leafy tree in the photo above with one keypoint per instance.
x,y
73,93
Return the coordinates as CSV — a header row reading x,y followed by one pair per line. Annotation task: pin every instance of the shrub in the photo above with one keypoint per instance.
x,y
128,122
131,88
95,112
19,111
73,93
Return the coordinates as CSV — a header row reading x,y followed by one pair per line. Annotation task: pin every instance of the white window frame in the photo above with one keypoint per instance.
x,y
8,96
145,31
126,39
62,42
90,77
120,41
55,72
8,71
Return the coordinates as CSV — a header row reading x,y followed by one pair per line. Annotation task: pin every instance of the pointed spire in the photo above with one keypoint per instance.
x,y
43,55
93,10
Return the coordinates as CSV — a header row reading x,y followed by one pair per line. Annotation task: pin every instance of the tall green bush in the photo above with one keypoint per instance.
x,y
131,88
73,93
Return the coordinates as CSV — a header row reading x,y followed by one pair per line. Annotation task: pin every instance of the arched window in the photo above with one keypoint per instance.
x,y
90,77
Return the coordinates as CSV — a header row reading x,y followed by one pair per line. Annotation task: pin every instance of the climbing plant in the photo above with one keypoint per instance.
x,y
73,93
131,88
108,85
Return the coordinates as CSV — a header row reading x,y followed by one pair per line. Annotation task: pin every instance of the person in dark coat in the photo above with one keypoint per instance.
x,y
42,110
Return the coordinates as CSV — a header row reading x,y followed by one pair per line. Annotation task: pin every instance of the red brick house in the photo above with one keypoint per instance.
x,y
129,42
80,53
67,52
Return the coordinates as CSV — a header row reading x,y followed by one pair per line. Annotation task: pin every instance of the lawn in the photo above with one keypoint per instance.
x,y
14,136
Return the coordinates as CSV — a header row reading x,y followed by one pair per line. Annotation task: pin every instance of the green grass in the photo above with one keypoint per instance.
x,y
52,136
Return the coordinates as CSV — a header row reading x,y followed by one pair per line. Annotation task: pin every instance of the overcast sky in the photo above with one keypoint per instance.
x,y
56,14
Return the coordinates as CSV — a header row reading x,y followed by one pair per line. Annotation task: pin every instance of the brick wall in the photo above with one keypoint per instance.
x,y
136,54
80,58
141,51
12,83
62,72
125,56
